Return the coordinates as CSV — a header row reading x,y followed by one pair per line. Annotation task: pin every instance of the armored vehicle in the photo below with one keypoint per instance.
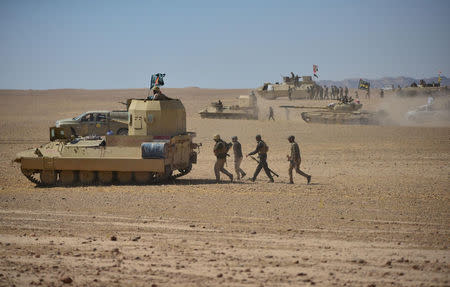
x,y
291,87
246,108
97,123
423,91
157,145
340,113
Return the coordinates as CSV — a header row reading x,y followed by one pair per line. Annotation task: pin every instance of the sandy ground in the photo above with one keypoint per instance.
x,y
376,213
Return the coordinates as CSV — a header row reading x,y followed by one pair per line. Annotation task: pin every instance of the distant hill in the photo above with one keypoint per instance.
x,y
379,83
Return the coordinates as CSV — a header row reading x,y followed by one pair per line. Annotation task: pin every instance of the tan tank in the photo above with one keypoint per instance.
x,y
157,145
246,108
423,91
340,113
291,87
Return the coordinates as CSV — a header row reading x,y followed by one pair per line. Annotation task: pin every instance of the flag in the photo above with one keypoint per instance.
x,y
157,80
315,70
363,85
439,78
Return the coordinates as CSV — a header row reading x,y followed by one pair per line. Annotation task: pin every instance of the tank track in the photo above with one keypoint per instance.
x,y
31,176
182,172
34,176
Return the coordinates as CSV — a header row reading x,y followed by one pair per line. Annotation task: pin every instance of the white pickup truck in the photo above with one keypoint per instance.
x,y
92,123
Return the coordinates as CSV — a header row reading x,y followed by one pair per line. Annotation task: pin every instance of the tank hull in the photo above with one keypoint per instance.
x,y
329,117
157,148
225,115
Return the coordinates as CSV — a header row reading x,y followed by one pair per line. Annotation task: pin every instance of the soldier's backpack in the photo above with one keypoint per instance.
x,y
264,148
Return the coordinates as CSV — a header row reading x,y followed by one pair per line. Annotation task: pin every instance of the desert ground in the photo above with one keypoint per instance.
x,y
377,212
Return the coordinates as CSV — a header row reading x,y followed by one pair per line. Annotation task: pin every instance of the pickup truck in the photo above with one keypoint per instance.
x,y
92,123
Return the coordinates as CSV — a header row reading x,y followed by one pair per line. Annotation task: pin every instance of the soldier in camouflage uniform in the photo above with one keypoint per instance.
x,y
261,149
237,150
294,161
220,151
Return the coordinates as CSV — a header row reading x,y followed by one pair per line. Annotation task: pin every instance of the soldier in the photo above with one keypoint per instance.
x,y
220,151
294,160
261,149
381,93
356,94
346,92
271,114
237,150
158,95
326,92
321,93
341,92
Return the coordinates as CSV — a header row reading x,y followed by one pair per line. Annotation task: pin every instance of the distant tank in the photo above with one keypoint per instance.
x,y
423,89
340,113
291,88
157,145
246,108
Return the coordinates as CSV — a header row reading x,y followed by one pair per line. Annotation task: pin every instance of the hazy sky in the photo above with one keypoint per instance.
x,y
217,44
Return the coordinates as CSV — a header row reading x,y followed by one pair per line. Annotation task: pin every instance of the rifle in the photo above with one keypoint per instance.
x,y
274,173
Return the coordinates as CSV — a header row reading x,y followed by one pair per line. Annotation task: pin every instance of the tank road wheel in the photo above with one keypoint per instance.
x,y
124,177
142,177
67,177
105,177
87,177
48,177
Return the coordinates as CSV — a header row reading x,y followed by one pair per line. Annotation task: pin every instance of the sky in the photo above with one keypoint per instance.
x,y
95,44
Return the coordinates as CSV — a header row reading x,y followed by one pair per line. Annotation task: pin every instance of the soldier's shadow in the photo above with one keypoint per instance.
x,y
200,181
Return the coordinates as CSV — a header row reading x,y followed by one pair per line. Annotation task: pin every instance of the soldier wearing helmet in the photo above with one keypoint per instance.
x,y
158,95
237,150
294,160
220,151
261,149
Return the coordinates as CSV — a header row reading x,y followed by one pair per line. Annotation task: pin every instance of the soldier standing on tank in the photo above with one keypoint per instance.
x,y
271,114
294,161
261,149
341,92
237,150
220,151
346,92
158,95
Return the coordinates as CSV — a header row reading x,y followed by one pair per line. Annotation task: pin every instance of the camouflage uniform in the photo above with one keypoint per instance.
x,y
262,155
294,161
237,150
220,149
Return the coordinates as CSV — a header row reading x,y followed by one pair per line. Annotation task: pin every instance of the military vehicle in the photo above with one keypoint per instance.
x,y
246,108
340,113
91,123
157,145
291,87
423,89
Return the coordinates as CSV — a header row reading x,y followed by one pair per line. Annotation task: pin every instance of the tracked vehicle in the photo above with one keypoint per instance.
x,y
157,145
245,109
340,113
291,87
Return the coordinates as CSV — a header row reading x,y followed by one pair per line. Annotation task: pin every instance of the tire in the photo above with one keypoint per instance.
x,y
122,132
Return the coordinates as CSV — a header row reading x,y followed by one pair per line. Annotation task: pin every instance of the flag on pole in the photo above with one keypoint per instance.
x,y
315,70
157,80
439,78
363,85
